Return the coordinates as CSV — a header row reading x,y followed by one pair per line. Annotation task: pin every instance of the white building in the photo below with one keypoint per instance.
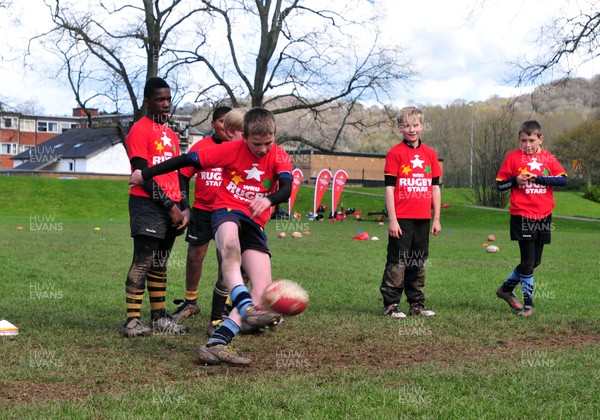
x,y
79,150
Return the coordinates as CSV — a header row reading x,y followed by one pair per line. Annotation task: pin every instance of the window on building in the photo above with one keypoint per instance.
x,y
67,126
8,148
9,122
27,125
47,127
71,166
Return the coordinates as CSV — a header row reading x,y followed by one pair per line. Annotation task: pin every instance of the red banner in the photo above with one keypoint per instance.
x,y
321,185
296,181
339,181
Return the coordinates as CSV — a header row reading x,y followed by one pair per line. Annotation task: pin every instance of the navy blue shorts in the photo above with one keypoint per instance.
x,y
252,236
150,219
200,231
525,229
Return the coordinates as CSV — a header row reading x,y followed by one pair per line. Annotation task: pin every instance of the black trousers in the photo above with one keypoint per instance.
x,y
405,265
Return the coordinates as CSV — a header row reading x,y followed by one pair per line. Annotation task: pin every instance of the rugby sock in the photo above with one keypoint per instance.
x,y
511,282
228,307
134,298
224,333
156,281
218,303
241,298
191,296
527,286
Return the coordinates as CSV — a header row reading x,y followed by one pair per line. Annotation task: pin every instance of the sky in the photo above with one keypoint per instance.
x,y
460,49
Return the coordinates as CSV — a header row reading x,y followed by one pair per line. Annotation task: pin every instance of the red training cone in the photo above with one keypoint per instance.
x,y
363,236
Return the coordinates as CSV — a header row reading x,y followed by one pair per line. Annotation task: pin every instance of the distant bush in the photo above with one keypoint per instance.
x,y
592,193
575,184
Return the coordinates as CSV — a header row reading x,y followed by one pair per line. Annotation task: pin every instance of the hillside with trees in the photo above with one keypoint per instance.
x,y
560,107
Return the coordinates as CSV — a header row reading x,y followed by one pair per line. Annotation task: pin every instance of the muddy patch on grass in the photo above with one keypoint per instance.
x,y
320,354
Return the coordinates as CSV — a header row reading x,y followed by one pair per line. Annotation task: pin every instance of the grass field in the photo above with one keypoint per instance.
x,y
63,285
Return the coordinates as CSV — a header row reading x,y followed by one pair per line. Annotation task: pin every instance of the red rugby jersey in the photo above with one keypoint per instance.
x,y
531,200
244,175
156,143
208,181
414,169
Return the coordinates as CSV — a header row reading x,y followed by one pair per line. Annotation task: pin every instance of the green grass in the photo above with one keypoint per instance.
x,y
568,203
63,285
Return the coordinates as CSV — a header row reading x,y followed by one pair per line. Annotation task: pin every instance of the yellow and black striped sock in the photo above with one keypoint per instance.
x,y
134,298
191,296
156,281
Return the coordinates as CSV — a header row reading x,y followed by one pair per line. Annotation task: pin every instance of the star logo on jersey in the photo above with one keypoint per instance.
x,y
534,164
546,172
253,173
428,169
236,178
523,170
165,139
406,169
267,183
417,163
159,146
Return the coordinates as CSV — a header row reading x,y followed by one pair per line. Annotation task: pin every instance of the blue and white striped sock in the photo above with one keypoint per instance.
x,y
224,333
240,298
511,282
527,286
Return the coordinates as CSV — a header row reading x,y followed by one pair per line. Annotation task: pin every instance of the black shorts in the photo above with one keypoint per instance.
x,y
252,236
199,231
150,219
525,229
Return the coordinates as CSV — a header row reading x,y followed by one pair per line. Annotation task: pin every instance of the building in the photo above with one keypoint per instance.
x,y
79,150
22,133
363,168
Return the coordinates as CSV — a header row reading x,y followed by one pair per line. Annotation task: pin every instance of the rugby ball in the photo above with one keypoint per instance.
x,y
492,249
285,297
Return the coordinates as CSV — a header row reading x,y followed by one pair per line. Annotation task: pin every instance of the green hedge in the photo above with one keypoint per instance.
x,y
592,193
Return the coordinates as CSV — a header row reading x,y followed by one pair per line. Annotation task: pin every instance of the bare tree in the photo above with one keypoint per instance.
x,y
564,44
286,56
495,137
100,47
447,130
345,125
313,56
